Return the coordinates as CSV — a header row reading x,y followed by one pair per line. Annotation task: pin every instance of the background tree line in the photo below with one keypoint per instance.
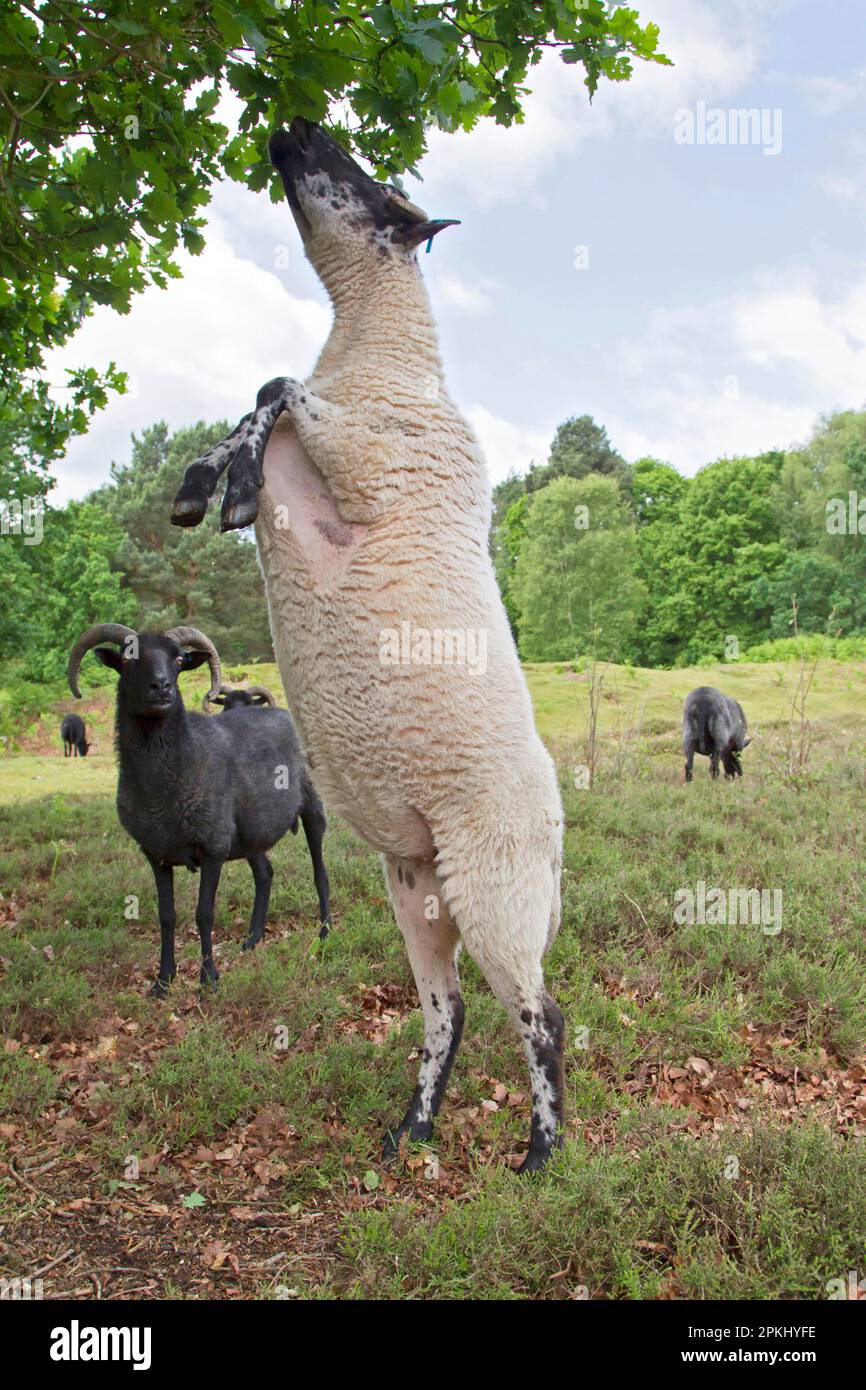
x,y
115,557
633,562
639,564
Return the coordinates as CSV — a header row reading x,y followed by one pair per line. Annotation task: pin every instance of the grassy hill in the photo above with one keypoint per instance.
x,y
716,1090
638,708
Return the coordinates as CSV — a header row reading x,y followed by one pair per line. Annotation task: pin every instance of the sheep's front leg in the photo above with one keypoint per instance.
x,y
243,452
164,879
201,478
204,914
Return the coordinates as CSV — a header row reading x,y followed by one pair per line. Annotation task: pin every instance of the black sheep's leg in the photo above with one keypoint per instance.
x,y
729,762
204,915
315,825
201,478
714,764
263,876
690,760
164,879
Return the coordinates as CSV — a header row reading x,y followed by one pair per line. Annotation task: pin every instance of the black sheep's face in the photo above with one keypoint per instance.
x,y
83,749
149,670
339,208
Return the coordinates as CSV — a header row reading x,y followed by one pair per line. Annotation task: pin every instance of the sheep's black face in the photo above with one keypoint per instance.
x,y
238,699
148,670
335,204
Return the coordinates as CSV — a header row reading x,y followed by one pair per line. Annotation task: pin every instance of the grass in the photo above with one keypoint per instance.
x,y
230,1147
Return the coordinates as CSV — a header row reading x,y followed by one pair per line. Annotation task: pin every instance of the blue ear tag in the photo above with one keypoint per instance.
x,y
438,222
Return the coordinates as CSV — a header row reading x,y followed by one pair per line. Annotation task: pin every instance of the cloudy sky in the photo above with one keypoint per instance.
x,y
698,299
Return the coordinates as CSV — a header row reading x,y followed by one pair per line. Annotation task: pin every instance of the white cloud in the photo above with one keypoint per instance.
x,y
787,353
198,350
715,51
450,289
508,448
824,342
827,96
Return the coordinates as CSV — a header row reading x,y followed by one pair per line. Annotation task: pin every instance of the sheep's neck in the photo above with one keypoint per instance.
x,y
157,741
382,320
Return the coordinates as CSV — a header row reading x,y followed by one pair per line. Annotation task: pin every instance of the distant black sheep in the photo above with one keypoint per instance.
x,y
714,725
240,698
73,733
195,791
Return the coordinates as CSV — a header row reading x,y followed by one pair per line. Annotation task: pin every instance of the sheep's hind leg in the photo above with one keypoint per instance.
x,y
204,915
432,945
164,879
263,876
540,1023
314,823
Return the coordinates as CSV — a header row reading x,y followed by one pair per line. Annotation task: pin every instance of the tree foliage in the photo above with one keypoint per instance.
x,y
200,577
574,580
112,139
580,446
715,557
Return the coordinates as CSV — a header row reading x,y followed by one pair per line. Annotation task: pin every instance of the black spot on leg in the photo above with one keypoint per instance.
x,y
410,879
399,873
526,1016
435,1002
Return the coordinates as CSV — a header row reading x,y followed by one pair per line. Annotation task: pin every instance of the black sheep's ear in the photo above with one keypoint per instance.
x,y
109,657
193,659
218,700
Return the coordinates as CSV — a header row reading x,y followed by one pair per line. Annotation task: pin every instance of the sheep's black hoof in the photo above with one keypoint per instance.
x,y
208,979
159,989
416,1134
534,1161
238,514
189,511
324,931
251,943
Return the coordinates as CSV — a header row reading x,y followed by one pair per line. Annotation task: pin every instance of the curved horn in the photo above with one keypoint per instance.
x,y
262,690
103,632
191,637
206,702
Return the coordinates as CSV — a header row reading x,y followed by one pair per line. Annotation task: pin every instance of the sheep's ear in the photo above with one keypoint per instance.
x,y
415,232
259,700
193,659
109,657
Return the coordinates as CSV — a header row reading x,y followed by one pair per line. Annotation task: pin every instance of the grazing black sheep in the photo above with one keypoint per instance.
x,y
714,725
194,791
233,699
74,736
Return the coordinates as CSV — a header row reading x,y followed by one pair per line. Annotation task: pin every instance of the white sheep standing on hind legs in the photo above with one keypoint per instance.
x,y
373,510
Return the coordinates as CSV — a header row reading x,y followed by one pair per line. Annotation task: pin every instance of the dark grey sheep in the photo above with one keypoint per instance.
x,y
74,736
195,791
714,725
239,697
